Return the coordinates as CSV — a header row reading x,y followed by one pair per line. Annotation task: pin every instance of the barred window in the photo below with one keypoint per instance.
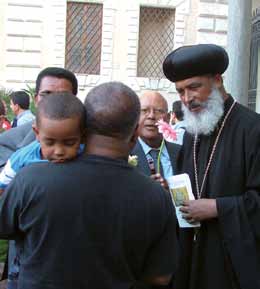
x,y
156,36
83,37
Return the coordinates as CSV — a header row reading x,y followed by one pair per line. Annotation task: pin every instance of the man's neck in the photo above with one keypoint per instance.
x,y
153,143
20,111
107,146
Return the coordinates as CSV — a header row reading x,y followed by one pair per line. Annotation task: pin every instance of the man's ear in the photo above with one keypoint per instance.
x,y
16,107
172,118
218,81
36,99
36,131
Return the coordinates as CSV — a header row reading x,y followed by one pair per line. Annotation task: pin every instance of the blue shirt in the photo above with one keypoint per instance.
x,y
165,158
179,128
19,159
25,117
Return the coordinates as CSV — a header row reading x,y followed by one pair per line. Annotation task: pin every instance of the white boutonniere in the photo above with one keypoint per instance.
x,y
133,160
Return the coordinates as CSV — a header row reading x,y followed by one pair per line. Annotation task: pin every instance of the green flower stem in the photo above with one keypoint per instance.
x,y
159,156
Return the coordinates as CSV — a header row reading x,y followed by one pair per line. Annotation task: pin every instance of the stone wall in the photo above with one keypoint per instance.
x,y
33,36
23,42
212,22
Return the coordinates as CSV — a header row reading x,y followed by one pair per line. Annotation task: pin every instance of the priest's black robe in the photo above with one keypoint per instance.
x,y
226,253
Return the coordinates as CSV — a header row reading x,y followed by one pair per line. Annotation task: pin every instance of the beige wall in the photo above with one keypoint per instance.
x,y
33,36
3,6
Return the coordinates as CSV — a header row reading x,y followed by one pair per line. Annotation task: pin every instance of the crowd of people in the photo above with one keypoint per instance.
x,y
20,107
4,122
79,215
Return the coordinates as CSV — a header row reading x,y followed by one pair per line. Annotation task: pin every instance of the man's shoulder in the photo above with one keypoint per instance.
x,y
11,140
179,125
38,173
172,147
143,182
139,152
15,135
137,148
30,151
45,168
247,119
247,114
27,116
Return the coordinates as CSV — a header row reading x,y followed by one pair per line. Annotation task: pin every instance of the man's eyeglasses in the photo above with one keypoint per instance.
x,y
156,111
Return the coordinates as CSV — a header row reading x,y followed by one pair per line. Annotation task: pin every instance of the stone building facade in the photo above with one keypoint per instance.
x,y
34,35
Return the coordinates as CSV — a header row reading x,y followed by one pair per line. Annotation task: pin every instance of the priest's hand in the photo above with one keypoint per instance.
x,y
161,180
199,210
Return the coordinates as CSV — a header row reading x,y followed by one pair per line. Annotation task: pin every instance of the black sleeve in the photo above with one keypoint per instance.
x,y
239,218
10,206
245,209
162,258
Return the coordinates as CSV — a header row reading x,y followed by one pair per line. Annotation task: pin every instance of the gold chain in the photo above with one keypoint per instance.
x,y
200,190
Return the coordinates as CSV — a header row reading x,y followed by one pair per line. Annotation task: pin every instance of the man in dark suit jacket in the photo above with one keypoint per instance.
x,y
153,108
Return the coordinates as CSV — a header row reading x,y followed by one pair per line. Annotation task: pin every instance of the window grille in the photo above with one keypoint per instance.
x,y
83,37
156,36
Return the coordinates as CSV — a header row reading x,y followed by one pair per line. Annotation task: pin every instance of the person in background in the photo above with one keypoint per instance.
x,y
177,121
50,79
221,154
20,105
4,123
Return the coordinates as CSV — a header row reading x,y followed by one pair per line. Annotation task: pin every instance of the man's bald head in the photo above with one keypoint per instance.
x,y
113,110
151,95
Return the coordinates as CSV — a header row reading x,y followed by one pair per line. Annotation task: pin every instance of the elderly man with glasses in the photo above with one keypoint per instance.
x,y
153,108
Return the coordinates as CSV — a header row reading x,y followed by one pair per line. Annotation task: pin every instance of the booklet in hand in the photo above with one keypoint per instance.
x,y
180,189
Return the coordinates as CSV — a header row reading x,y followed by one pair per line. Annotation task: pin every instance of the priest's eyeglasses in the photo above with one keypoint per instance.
x,y
157,111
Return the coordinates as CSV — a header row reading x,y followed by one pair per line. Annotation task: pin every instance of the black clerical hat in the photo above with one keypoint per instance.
x,y
195,60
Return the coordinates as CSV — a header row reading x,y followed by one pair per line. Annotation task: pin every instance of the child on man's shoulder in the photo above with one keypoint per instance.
x,y
60,131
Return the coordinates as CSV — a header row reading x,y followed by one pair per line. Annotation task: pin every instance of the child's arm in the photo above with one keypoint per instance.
x,y
6,176
15,163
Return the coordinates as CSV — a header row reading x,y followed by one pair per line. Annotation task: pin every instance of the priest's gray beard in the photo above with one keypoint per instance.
x,y
205,121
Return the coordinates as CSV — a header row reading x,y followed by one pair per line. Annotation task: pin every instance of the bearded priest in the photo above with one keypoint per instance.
x,y
221,154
